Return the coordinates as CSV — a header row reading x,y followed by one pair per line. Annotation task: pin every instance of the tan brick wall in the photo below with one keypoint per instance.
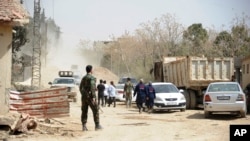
x,y
5,65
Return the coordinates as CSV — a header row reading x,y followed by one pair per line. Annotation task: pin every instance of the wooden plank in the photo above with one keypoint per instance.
x,y
39,94
17,101
45,112
42,103
39,106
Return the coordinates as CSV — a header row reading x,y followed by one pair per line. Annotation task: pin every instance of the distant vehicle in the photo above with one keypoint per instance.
x,y
77,79
123,80
168,97
120,92
66,79
221,97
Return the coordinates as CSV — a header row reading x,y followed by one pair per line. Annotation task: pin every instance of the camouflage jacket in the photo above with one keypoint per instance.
x,y
128,87
88,86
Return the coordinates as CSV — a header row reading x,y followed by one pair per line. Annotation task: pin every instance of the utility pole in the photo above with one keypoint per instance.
x,y
36,61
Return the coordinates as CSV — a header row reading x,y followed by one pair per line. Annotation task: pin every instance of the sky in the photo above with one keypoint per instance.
x,y
101,19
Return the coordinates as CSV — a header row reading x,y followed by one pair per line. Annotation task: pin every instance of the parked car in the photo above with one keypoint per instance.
x,y
77,79
224,97
168,97
66,79
123,80
120,92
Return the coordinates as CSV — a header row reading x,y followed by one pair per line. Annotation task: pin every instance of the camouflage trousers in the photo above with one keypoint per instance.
x,y
86,103
128,100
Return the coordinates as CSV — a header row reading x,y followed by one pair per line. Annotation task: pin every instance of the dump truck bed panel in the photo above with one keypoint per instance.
x,y
197,71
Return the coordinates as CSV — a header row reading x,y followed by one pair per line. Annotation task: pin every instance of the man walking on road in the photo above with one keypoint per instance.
x,y
101,88
87,88
128,92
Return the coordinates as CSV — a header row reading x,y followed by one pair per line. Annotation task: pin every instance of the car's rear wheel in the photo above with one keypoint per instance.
x,y
207,114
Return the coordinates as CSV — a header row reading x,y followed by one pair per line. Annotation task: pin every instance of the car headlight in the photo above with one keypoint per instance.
x,y
182,97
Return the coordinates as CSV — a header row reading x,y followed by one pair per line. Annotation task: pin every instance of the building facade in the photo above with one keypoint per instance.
x,y
11,14
245,71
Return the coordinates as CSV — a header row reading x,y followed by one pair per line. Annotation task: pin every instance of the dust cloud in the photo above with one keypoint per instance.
x,y
62,55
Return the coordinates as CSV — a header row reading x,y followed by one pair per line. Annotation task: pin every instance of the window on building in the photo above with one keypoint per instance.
x,y
243,69
247,68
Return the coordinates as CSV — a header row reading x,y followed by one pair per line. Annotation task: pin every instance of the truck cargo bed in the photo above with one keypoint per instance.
x,y
196,71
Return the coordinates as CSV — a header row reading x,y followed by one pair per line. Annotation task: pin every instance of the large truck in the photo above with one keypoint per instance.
x,y
193,75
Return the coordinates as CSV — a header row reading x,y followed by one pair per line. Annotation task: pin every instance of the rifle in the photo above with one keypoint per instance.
x,y
94,103
90,98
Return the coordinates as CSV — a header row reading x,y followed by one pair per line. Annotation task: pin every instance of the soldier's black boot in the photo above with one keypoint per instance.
x,y
98,127
84,128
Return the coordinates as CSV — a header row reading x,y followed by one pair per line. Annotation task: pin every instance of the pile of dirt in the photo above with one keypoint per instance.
x,y
105,74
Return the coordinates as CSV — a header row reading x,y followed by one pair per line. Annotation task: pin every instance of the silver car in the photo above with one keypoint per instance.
x,y
168,97
224,97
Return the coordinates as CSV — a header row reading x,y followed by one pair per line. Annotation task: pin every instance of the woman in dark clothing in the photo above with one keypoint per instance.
x,y
141,92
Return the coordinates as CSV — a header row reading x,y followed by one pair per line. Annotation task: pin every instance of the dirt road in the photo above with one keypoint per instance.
x,y
121,124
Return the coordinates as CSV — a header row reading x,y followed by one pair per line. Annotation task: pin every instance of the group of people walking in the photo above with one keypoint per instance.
x,y
145,94
106,93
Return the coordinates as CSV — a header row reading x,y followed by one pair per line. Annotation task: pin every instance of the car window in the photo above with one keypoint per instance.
x,y
63,81
165,88
124,80
223,87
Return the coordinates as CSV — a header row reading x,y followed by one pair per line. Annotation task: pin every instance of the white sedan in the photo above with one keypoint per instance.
x,y
168,97
221,97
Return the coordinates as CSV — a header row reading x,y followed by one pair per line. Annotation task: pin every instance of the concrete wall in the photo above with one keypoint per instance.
x,y
245,71
5,65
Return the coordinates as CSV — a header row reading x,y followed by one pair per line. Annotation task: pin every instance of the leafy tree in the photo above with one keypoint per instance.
x,y
19,38
241,40
195,36
224,42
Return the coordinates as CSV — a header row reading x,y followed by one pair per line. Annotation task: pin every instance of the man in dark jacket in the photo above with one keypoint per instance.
x,y
141,92
101,88
87,88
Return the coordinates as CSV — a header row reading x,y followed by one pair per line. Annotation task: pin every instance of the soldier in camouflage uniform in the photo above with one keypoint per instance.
x,y
128,87
87,88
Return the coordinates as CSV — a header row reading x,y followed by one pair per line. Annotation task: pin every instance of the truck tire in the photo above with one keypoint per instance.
x,y
187,96
192,99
